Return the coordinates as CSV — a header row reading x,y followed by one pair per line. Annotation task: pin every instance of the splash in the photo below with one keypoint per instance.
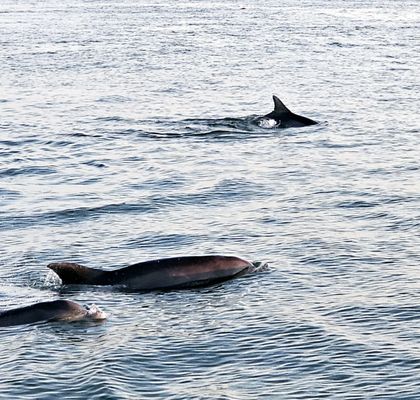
x,y
259,266
52,279
268,123
95,313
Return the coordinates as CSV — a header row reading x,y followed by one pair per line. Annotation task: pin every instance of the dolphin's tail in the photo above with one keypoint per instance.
x,y
72,273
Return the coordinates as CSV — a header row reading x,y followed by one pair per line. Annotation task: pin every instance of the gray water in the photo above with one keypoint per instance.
x,y
126,135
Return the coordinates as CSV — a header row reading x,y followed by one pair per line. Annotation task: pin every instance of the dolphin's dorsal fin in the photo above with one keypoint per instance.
x,y
279,107
72,273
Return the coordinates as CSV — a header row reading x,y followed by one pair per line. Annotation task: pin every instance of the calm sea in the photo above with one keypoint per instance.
x,y
125,135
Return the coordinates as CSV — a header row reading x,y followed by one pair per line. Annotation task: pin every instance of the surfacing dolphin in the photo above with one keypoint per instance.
x,y
282,117
163,274
56,310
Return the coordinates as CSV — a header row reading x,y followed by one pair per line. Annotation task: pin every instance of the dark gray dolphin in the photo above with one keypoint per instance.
x,y
282,117
168,273
56,310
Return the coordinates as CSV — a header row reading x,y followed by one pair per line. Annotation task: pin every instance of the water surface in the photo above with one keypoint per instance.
x,y
126,135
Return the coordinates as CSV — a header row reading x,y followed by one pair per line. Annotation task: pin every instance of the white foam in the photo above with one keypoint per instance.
x,y
268,123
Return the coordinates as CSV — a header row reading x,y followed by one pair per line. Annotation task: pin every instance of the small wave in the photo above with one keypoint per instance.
x,y
14,143
114,99
114,118
27,171
344,45
94,163
404,225
75,214
357,204
10,193
150,239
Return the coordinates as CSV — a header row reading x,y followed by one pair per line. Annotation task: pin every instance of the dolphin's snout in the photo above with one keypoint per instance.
x,y
51,266
95,313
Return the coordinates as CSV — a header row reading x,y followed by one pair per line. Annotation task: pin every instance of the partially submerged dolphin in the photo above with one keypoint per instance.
x,y
168,273
56,310
282,117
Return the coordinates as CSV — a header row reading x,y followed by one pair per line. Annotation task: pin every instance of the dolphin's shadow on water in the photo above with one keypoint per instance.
x,y
216,128
222,128
251,126
279,121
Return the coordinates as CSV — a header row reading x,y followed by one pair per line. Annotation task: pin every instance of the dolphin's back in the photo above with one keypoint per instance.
x,y
297,121
72,273
180,272
45,311
167,273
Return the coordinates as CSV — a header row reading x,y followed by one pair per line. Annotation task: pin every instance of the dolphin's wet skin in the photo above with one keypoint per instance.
x,y
56,310
164,274
282,117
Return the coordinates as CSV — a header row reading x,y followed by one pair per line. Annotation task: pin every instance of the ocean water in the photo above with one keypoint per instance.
x,y
126,135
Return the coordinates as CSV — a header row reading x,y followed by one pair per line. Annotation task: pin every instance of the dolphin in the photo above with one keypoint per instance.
x,y
163,274
282,117
56,310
